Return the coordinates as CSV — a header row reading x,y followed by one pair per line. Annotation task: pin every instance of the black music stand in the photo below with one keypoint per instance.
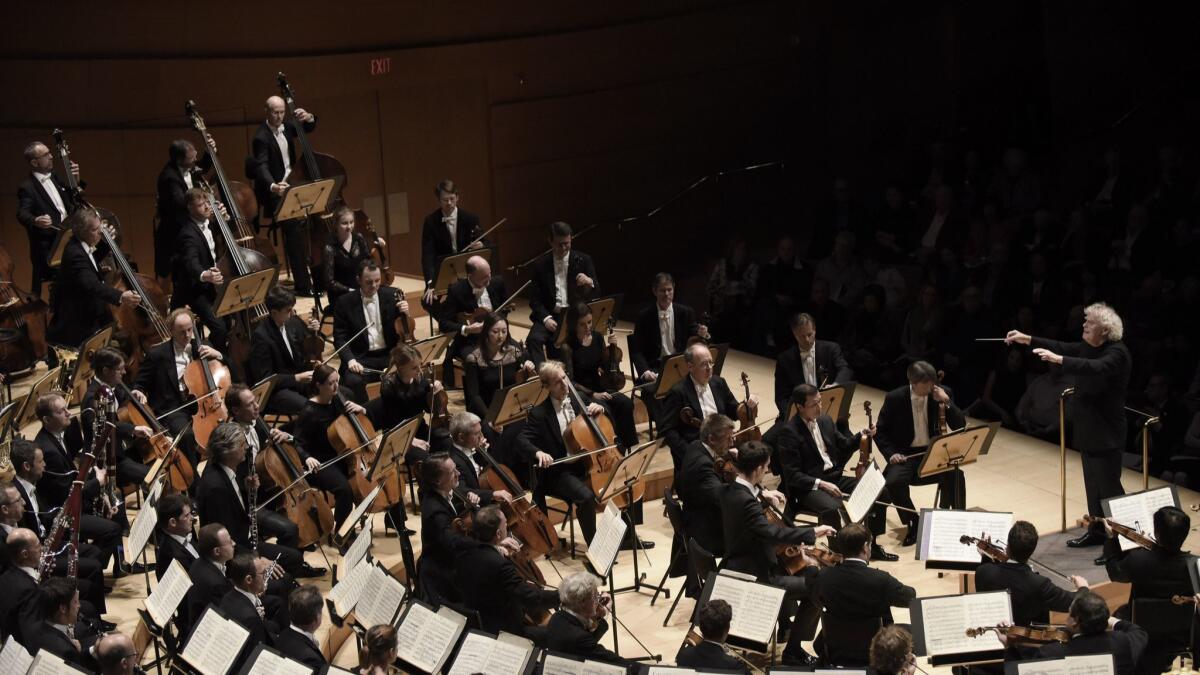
x,y
602,309
242,293
628,472
393,447
956,449
28,409
432,348
454,267
512,404
83,370
308,199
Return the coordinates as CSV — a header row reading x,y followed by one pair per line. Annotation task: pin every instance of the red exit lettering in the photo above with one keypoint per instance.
x,y
381,66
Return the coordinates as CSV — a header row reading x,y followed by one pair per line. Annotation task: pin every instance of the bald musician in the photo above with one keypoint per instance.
x,y
273,157
42,205
480,289
704,393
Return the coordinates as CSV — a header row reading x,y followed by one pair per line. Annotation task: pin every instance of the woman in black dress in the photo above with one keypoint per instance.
x,y
492,364
403,395
311,429
343,253
583,354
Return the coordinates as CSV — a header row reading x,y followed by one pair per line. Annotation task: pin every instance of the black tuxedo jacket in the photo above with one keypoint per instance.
x,y
541,432
192,256
1033,595
469,479
460,298
217,502
831,366
1126,642
298,648
567,634
269,356
238,607
894,428
435,240
20,612
208,587
39,523
80,297
750,539
700,489
1154,573
541,291
348,320
56,481
800,462
171,202
157,378
490,585
265,165
858,592
47,637
34,201
1097,410
708,655
645,342
440,544
167,549
683,394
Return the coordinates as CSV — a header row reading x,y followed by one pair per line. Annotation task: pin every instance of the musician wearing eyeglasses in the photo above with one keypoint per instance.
x,y
243,604
115,655
447,231
702,392
273,157
577,628
181,173
43,204
560,279
364,329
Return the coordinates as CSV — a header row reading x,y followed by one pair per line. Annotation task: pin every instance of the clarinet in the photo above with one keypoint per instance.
x,y
252,501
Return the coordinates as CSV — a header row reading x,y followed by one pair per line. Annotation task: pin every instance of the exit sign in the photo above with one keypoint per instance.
x,y
381,66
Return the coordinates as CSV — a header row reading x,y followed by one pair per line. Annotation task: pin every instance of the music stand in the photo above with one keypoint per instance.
x,y
65,234
28,412
83,363
512,403
242,293
263,390
392,448
308,199
631,469
432,348
602,309
454,267
8,414
956,449
673,370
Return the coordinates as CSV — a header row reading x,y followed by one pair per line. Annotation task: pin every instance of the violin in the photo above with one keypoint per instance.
x,y
705,320
864,446
723,465
1025,633
1136,536
180,472
354,433
943,427
747,429
406,327
526,522
439,410
305,506
987,546
690,418
795,557
612,378
207,380
591,437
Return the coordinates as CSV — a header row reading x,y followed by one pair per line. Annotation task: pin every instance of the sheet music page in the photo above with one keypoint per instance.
x,y
946,621
358,512
946,529
334,670
358,550
1137,511
472,655
346,592
865,493
557,665
165,599
449,626
755,607
425,638
46,663
599,668
215,643
270,663
14,658
1092,664
508,658
602,549
139,533
380,605
669,670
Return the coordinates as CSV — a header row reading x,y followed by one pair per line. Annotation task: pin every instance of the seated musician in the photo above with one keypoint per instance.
x,y
174,537
907,422
1033,595
541,442
812,453
179,175
272,160
854,591
750,541
466,439
700,487
364,329
576,629
277,349
404,393
312,440
489,582
209,583
242,603
160,378
194,273
55,633
43,203
222,497
1093,631
661,330
116,655
299,639
440,539
19,608
344,252
378,653
494,363
479,290
79,305
713,620
559,280
583,354
809,361
446,231
242,405
891,651
703,393
108,365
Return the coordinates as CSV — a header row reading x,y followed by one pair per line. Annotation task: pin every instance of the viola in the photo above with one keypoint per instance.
x,y
305,506
747,429
690,418
795,557
864,446
612,377
207,380
406,327
179,470
439,405
943,427
591,437
354,433
1136,536
1025,633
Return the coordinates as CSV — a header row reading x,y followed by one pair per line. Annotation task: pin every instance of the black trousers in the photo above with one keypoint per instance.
x,y
42,271
103,533
286,402
570,486
899,477
540,343
356,383
620,409
165,236
218,331
799,608
131,472
828,508
332,479
275,524
1101,477
295,246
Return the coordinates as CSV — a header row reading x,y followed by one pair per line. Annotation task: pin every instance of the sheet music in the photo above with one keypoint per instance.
x,y
483,654
346,592
215,643
598,668
1092,664
603,548
669,670
165,599
755,607
1137,511
14,658
358,550
270,663
46,663
358,512
946,620
557,665
862,499
140,531
380,605
942,539
425,638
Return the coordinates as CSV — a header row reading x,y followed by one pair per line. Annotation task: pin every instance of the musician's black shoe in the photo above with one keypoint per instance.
x,y
1089,538
627,544
309,572
911,537
800,658
877,553
1102,560
407,532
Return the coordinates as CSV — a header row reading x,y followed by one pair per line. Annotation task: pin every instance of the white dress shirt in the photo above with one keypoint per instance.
x,y
451,222
311,638
753,488
808,360
560,281
236,488
827,463
251,440
708,404
47,181
286,342
374,322
208,237
474,459
564,412
920,412
91,254
31,491
281,140
258,606
666,330
182,359
187,177
482,299
185,542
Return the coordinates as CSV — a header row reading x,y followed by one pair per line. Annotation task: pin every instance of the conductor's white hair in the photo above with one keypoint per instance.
x,y
461,423
1107,318
577,590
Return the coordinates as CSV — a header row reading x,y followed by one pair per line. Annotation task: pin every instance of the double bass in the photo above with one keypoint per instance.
x,y
353,433
305,506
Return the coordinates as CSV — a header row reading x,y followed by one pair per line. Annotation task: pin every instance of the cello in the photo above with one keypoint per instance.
x,y
305,506
207,380
353,433
747,429
179,470
590,438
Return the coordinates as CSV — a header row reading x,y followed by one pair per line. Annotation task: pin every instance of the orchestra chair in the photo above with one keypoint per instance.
x,y
703,564
1170,628
845,644
674,512
568,518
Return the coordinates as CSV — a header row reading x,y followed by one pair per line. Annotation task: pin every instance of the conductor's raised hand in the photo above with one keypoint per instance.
x,y
1016,337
